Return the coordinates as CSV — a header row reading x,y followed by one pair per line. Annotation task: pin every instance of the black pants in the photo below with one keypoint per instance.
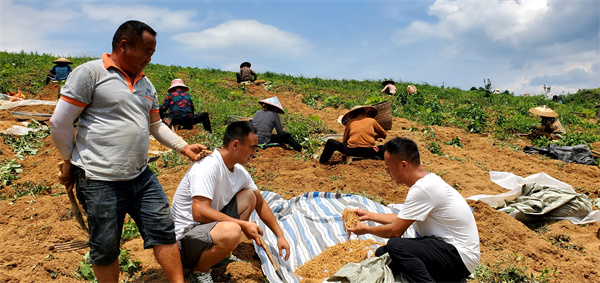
x,y
332,145
286,138
424,259
193,119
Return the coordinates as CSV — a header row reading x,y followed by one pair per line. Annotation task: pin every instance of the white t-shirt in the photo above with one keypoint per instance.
x,y
208,178
441,212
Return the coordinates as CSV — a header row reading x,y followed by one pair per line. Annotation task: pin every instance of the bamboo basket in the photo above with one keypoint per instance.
x,y
384,114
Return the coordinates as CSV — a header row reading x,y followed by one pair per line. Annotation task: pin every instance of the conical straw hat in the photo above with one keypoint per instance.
x,y
62,60
543,111
273,101
370,111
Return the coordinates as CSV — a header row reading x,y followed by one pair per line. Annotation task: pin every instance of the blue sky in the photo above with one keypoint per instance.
x,y
519,45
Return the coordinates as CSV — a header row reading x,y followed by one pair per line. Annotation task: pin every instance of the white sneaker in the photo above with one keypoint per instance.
x,y
201,277
233,258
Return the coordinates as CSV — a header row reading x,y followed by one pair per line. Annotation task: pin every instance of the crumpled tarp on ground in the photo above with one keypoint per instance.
x,y
28,102
311,222
578,153
536,201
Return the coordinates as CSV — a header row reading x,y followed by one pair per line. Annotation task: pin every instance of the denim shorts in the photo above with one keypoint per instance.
x,y
107,202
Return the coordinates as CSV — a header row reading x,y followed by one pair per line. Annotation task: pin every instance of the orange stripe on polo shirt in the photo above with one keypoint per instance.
x,y
148,97
110,63
154,111
73,101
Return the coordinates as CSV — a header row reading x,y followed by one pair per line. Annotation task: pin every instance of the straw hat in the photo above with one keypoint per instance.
x,y
273,101
245,64
411,89
387,82
177,83
543,111
62,60
369,111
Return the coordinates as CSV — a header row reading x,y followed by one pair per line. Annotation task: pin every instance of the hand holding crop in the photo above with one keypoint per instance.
x,y
362,214
359,229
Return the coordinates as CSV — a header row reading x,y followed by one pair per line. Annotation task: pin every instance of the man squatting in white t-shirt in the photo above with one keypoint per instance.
x,y
447,249
214,200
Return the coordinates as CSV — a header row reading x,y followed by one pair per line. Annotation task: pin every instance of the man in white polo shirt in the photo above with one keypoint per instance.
x,y
447,249
117,108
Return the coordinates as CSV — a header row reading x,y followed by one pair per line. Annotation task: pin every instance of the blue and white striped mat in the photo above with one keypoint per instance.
x,y
311,223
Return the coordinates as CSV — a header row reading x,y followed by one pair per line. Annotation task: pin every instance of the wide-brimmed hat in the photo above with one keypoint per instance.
x,y
62,60
411,89
387,82
177,83
369,111
543,111
245,64
273,101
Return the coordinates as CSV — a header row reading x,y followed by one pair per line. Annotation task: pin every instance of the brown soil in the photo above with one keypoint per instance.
x,y
30,224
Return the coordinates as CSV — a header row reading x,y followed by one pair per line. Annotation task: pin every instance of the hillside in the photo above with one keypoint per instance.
x,y
550,251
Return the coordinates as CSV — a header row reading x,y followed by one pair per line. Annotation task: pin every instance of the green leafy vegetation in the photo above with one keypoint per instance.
x,y
126,265
513,270
130,230
9,171
28,144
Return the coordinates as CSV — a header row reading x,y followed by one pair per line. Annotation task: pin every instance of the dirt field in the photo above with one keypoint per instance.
x,y
31,224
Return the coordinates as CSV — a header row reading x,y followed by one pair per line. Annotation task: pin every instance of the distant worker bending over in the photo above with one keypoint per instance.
x,y
447,249
246,75
551,126
389,87
60,71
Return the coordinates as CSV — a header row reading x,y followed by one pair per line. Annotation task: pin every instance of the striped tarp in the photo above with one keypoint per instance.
x,y
311,222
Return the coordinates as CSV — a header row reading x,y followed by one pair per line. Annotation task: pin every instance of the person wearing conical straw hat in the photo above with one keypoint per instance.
x,y
60,71
178,108
267,119
246,75
551,126
389,87
359,136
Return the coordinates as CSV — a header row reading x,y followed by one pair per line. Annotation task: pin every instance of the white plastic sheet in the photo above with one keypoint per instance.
x,y
514,183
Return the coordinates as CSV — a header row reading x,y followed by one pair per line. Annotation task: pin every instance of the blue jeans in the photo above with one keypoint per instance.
x,y
106,204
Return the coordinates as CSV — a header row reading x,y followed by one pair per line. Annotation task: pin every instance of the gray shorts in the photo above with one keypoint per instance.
x,y
196,237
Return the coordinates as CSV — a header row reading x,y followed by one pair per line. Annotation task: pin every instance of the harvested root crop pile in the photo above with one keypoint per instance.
x,y
350,218
333,258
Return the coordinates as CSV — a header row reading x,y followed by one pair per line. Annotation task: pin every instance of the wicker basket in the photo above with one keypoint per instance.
x,y
384,114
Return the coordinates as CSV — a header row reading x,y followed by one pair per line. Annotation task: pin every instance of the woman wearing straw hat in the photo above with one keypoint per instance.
x,y
178,108
551,127
246,75
267,119
359,136
60,71
388,87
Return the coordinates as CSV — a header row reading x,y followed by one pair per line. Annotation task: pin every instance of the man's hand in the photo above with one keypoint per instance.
x,y
251,230
283,244
195,152
363,215
359,229
65,176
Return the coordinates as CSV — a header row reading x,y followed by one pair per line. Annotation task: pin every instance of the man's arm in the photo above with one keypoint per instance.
x,y
393,230
266,215
164,135
63,133
203,213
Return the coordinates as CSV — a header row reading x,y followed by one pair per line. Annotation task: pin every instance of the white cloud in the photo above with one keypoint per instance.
x,y
244,37
24,28
164,18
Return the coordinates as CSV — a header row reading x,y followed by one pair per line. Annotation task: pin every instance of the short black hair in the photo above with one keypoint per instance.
x,y
131,31
403,149
238,130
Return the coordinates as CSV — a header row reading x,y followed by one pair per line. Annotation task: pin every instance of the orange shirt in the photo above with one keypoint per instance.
x,y
362,132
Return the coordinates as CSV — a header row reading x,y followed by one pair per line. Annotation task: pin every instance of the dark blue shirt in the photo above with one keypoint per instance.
x,y
61,71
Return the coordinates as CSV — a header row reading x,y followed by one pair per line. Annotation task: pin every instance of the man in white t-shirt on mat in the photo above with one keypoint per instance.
x,y
447,249
213,203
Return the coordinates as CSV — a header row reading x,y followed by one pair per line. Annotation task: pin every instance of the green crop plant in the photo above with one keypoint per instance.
x,y
130,230
126,265
9,171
